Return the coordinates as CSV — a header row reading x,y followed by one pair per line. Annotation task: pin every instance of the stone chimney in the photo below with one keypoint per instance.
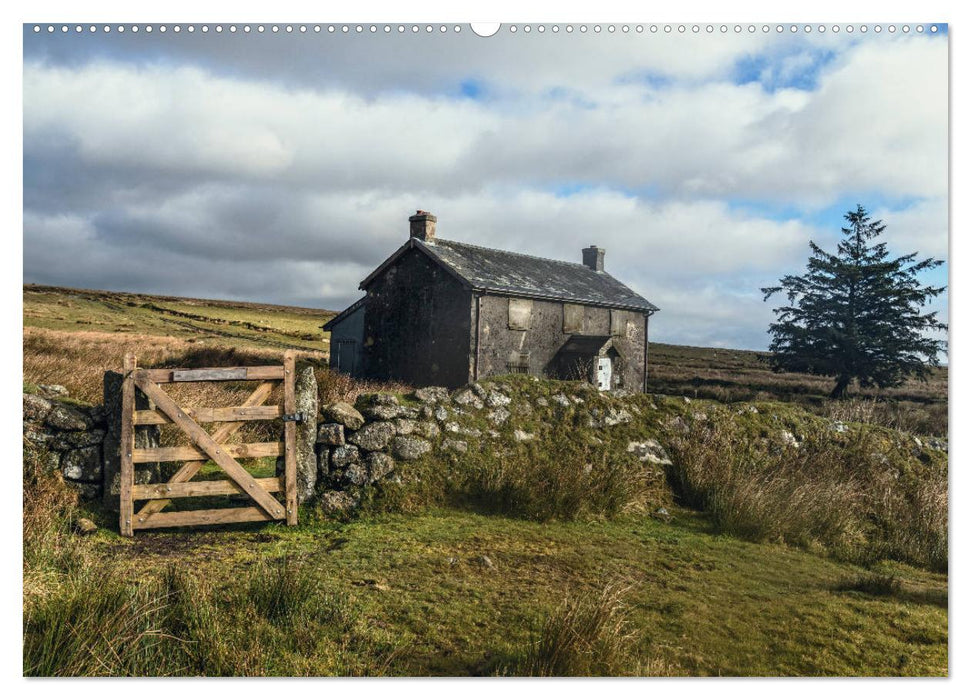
x,y
423,226
593,257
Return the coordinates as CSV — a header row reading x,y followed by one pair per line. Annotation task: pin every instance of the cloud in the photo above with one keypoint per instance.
x,y
283,169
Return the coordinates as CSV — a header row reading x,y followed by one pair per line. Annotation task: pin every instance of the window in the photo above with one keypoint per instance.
x,y
618,322
572,318
520,311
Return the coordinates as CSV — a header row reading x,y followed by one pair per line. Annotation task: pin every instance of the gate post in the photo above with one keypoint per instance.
x,y
126,505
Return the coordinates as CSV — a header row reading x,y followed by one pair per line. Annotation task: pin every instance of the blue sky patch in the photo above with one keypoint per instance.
x,y
799,69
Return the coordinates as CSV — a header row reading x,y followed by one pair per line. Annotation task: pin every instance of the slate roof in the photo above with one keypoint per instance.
x,y
344,314
514,274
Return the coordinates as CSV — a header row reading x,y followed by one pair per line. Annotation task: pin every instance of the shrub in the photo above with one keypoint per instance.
x,y
281,590
587,635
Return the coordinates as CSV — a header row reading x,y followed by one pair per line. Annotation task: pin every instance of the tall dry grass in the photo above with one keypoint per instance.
x,y
856,498
586,635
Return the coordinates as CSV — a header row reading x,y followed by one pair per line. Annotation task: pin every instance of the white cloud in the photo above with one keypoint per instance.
x,y
297,173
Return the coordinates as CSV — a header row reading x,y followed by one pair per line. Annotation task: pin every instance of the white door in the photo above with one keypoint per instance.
x,y
604,371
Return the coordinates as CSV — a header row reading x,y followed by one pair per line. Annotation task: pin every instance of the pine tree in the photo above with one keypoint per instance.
x,y
857,314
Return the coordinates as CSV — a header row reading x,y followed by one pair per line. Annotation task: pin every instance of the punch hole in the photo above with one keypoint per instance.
x,y
920,28
485,29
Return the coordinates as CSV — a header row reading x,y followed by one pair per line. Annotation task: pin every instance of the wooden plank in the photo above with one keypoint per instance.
x,y
215,516
246,450
191,489
204,441
224,432
290,436
208,375
213,415
127,446
265,372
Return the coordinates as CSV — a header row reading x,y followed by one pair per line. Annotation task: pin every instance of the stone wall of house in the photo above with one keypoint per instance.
x,y
502,340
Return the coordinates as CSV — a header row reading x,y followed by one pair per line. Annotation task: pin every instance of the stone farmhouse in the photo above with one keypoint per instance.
x,y
445,313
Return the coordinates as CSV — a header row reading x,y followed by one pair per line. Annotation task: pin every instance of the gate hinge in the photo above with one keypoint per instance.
x,y
293,417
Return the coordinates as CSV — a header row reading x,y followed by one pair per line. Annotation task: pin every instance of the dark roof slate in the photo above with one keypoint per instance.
x,y
515,274
344,314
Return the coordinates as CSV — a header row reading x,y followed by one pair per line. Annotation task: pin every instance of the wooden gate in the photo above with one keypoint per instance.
x,y
206,446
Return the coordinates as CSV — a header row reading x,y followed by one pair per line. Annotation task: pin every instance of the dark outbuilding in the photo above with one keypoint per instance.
x,y
445,313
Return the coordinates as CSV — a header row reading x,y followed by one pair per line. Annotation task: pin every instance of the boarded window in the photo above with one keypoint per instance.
x,y
618,322
572,318
520,311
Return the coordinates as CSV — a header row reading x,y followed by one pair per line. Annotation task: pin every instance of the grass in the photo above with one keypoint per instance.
x,y
410,595
829,559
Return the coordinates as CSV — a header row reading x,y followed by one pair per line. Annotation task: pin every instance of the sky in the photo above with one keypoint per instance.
x,y
282,167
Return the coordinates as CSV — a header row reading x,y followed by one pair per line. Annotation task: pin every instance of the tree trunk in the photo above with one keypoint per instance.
x,y
839,391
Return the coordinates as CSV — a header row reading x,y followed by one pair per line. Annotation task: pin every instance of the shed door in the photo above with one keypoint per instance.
x,y
604,372
347,356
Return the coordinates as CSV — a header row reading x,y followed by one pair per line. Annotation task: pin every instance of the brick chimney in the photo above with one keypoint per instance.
x,y
423,226
593,257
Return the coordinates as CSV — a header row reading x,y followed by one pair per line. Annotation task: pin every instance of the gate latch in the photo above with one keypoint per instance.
x,y
292,417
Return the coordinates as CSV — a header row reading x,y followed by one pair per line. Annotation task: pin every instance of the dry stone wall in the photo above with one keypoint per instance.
x,y
71,436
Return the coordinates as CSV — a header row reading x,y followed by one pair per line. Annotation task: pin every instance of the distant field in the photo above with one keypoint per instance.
x,y
243,323
96,327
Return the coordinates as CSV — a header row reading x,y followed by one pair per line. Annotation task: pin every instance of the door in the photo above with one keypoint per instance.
x,y
604,372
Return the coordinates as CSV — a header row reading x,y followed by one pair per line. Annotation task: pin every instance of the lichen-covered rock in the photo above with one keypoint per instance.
x,y
495,400
522,436
83,464
379,465
343,413
478,389
426,412
498,416
432,394
428,429
373,436
789,439
561,400
65,417
305,387
36,408
80,438
405,426
454,427
450,445
407,448
616,416
382,412
441,414
53,391
85,526
541,401
343,455
337,502
376,399
467,397
330,434
356,474
649,451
